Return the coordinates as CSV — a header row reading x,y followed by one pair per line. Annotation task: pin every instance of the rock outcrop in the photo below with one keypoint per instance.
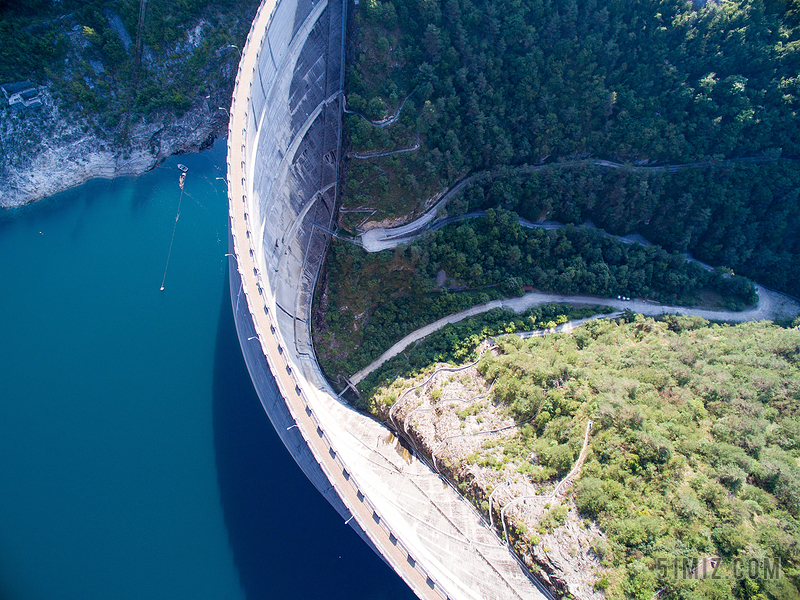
x,y
106,114
47,151
454,422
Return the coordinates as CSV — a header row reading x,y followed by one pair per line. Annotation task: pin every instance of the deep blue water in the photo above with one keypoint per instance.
x,y
135,459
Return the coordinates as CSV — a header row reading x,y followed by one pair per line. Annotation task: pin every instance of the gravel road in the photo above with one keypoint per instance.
x,y
771,305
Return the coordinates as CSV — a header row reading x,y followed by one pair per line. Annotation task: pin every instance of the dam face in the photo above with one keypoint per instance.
x,y
284,147
293,137
287,174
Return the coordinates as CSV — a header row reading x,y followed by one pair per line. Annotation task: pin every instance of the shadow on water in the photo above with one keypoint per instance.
x,y
287,541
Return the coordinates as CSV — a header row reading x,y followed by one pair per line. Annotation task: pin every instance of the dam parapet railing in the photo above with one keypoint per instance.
x,y
390,536
283,154
349,477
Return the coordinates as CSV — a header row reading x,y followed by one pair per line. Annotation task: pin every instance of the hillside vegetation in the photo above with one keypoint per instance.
x,y
484,85
84,54
693,452
367,302
742,215
458,342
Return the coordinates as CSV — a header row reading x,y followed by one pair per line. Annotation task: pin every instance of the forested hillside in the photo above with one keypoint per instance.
x,y
99,69
693,451
694,448
370,301
484,85
742,215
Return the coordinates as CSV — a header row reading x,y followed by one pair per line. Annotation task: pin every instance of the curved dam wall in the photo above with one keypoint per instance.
x,y
293,138
288,172
283,154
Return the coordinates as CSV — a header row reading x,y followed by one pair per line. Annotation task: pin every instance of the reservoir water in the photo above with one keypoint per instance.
x,y
135,459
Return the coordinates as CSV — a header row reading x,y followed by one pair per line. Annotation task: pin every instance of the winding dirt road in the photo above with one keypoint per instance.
x,y
379,153
771,305
386,121
379,239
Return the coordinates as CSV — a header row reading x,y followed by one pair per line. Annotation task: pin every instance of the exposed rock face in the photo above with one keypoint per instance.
x,y
46,151
454,422
104,116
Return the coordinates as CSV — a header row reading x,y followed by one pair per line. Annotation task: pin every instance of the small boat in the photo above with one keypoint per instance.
x,y
182,179
183,168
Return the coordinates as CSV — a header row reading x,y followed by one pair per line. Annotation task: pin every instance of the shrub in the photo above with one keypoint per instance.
x,y
590,497
558,457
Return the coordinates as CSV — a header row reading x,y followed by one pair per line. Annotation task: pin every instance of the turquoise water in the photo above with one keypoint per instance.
x,y
135,460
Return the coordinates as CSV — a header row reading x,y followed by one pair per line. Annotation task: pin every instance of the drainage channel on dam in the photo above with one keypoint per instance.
x,y
284,147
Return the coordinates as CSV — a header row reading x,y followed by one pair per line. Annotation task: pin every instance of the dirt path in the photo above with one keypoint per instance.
x,y
378,239
378,153
771,305
576,469
383,122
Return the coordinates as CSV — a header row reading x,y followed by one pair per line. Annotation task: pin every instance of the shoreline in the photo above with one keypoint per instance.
x,y
70,161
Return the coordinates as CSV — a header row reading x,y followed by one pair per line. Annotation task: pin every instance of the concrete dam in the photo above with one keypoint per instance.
x,y
284,150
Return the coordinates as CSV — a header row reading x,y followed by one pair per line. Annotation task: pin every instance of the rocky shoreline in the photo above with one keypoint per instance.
x,y
105,110
68,154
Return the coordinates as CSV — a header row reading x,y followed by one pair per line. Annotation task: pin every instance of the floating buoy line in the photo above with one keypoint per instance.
x,y
181,181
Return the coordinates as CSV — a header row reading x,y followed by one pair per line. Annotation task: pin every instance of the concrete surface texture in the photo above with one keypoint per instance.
x,y
283,154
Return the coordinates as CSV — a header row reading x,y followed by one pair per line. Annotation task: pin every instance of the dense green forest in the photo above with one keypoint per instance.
x,y
694,449
746,217
373,300
496,249
80,50
659,80
490,86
